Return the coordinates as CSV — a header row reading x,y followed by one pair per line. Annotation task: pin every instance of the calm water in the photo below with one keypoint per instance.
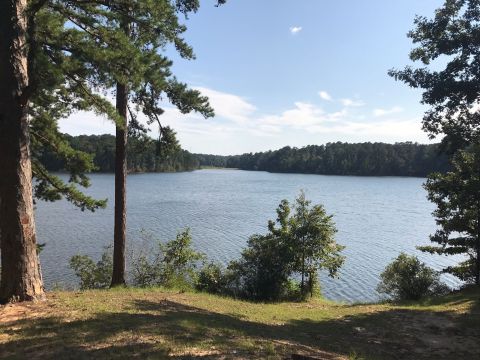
x,y
377,218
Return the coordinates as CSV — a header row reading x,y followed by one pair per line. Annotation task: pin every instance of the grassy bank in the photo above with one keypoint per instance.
x,y
160,324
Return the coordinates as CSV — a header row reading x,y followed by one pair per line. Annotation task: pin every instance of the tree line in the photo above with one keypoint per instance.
x,y
363,159
143,155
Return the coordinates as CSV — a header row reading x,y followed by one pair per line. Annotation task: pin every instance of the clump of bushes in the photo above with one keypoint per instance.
x,y
93,275
212,279
407,278
284,263
175,264
281,265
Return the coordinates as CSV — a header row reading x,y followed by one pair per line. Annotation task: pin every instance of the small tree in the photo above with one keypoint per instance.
x,y
457,196
301,243
180,260
406,278
314,243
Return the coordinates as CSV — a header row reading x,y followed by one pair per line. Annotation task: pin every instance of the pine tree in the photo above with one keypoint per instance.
x,y
457,196
58,57
20,277
453,94
451,90
313,238
147,91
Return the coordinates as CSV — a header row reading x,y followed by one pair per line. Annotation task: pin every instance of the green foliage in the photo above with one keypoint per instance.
x,y
365,159
457,196
313,240
451,89
262,272
180,261
147,155
93,275
406,278
78,51
142,154
298,244
212,279
173,265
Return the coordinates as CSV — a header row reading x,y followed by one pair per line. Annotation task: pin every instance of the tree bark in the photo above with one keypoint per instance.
x,y
20,275
477,260
303,272
118,275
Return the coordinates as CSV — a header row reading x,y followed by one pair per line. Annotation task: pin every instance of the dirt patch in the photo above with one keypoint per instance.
x,y
19,311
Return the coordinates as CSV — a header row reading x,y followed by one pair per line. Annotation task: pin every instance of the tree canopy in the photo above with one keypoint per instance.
x,y
448,45
363,159
79,51
457,197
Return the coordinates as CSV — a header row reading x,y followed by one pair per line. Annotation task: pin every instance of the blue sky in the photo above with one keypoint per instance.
x,y
285,72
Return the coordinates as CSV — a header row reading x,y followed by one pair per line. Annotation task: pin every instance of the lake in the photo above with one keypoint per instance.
x,y
376,217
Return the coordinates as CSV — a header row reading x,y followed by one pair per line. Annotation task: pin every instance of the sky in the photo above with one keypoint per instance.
x,y
293,72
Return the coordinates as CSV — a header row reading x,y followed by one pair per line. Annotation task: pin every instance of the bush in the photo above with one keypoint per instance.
x,y
407,278
297,246
145,273
211,279
173,265
93,276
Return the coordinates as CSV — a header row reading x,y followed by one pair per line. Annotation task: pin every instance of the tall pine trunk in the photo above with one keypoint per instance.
x,y
477,248
118,275
20,274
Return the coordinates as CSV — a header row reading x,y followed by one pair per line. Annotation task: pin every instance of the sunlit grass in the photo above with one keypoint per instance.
x,y
159,323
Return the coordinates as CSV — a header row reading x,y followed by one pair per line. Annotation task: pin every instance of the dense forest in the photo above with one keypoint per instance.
x,y
365,159
143,155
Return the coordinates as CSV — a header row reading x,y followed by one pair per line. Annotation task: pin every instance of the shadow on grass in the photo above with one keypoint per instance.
x,y
169,329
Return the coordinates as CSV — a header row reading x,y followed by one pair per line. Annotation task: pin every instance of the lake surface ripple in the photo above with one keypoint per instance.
x,y
376,217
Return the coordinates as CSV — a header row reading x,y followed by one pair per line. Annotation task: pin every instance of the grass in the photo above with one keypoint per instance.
x,y
156,324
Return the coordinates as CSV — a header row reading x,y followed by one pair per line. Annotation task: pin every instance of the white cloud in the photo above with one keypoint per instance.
x,y
86,123
229,106
383,112
295,29
341,125
352,103
240,127
301,116
325,96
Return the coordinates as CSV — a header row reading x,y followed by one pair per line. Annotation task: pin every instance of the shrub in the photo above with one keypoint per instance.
x,y
407,278
145,273
91,275
173,265
298,245
211,279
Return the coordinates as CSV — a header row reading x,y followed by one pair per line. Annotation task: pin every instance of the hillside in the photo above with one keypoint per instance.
x,y
158,324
